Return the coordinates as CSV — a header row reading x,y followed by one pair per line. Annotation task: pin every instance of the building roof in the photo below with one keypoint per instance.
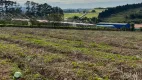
x,y
113,23
42,21
20,19
137,26
105,26
74,23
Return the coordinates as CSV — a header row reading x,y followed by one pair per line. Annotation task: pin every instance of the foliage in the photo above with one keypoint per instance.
x,y
132,27
44,11
89,14
130,13
93,11
12,9
117,9
140,29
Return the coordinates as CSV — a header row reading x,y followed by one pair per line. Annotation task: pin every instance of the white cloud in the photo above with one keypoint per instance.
x,y
83,3
68,1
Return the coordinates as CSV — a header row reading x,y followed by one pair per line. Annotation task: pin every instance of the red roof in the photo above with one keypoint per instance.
x,y
138,26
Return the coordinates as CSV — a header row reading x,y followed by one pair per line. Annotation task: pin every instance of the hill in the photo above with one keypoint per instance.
x,y
127,13
89,15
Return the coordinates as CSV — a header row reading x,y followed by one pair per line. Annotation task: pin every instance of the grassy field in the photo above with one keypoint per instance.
x,y
56,54
89,15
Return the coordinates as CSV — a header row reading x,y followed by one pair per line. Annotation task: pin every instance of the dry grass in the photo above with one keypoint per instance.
x,y
72,54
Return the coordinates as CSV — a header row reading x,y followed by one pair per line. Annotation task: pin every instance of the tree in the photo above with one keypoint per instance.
x,y
9,8
44,11
84,11
108,12
39,10
47,9
93,11
132,27
18,9
28,7
94,20
34,8
15,9
57,14
140,28
75,17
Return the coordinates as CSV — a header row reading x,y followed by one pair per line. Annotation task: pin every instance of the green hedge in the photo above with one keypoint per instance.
x,y
54,25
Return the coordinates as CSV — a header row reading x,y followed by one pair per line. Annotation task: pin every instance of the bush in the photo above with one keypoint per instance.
x,y
132,27
93,11
2,25
19,22
34,22
141,29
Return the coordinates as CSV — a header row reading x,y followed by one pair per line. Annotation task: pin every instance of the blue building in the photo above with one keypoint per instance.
x,y
114,25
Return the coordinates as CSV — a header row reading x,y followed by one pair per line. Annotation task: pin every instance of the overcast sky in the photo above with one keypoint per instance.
x,y
83,3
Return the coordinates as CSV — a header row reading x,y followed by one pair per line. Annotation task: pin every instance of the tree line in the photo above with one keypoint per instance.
x,y
114,10
92,20
76,10
43,11
137,15
9,7
33,10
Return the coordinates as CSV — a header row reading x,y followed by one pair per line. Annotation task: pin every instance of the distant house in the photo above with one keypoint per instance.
x,y
108,26
15,19
42,21
77,24
138,26
114,25
21,21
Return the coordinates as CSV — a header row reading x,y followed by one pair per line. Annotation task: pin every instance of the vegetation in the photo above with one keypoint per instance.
x,y
33,10
46,52
117,9
130,13
10,7
44,11
84,19
93,11
75,10
70,54
89,15
132,27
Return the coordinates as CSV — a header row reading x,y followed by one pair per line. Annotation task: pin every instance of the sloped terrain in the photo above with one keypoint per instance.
x,y
89,15
125,16
51,54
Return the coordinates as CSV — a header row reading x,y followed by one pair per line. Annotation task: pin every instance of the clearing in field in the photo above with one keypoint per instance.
x,y
70,54
89,15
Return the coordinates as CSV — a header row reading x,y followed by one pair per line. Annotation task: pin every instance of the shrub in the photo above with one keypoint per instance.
x,y
132,27
141,29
